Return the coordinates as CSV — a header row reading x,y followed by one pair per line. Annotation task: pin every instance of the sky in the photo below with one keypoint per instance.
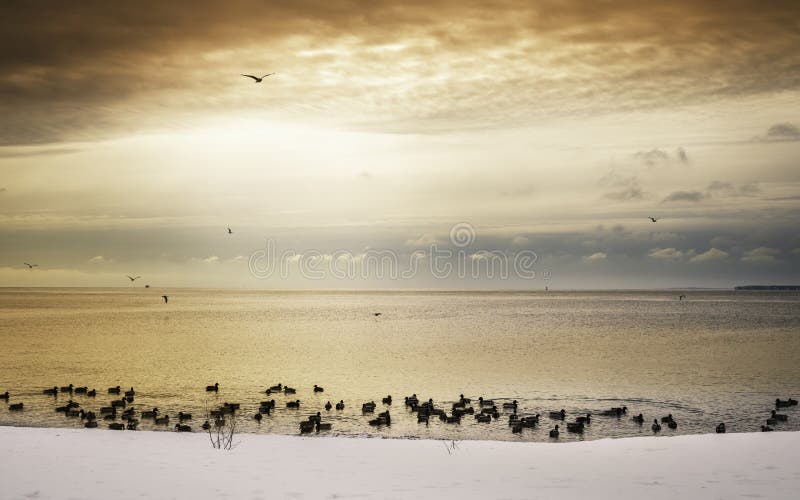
x,y
498,131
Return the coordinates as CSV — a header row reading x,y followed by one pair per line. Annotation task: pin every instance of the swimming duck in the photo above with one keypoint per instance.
x,y
576,427
293,404
318,388
182,428
51,392
162,420
483,417
721,428
113,390
130,393
91,393
289,390
554,432
639,419
672,424
91,424
779,417
81,390
4,396
213,388
368,407
15,407
328,406
340,405
516,428
116,426
67,388
258,417
666,419
150,414
584,420
206,425
558,415
315,418
306,426
656,426
387,400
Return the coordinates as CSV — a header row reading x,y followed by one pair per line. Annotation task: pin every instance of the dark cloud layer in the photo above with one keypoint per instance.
x,y
82,70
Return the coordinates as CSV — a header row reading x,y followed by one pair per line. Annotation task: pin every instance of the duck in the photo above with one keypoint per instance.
x,y
213,388
328,406
483,417
258,417
615,412
89,415
81,390
116,426
162,420
184,416
182,428
15,407
293,404
275,388
51,392
485,402
584,420
206,425
324,426
150,414
530,420
511,405
368,407
91,424
423,417
318,388
779,416
113,390
67,388
516,428
656,426
306,426
411,400
265,409
721,428
672,424
118,402
315,418
558,415
772,421
576,427
387,400
554,432
91,393
289,390
340,405
4,396
666,419
766,428
639,419
130,393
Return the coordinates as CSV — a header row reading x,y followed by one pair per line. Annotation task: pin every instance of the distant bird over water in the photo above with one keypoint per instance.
x,y
166,298
257,79
377,314
230,231
31,266
134,278
681,297
654,219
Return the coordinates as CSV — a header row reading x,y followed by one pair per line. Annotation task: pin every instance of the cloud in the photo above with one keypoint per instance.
x,y
730,189
666,254
781,132
28,153
720,186
630,193
99,259
595,257
659,157
710,255
693,196
761,255
430,66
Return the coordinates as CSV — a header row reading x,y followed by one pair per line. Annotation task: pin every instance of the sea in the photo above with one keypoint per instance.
x,y
716,356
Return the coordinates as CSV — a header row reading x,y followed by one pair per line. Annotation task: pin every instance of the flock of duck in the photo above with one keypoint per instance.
x,y
120,414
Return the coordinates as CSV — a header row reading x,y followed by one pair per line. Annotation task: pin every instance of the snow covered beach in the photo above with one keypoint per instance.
x,y
71,463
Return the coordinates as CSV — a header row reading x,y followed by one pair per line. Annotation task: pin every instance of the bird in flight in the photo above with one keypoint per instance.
x,y
653,219
31,266
134,278
229,231
376,314
166,298
257,79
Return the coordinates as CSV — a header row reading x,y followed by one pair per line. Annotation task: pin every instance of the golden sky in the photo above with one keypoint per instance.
x,y
129,138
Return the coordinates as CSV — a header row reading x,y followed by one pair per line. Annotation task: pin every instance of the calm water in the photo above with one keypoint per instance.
x,y
719,356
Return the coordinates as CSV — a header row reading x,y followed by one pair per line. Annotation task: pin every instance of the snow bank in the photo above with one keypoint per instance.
x,y
70,463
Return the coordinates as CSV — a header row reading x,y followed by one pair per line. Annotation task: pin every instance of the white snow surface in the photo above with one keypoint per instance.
x,y
41,463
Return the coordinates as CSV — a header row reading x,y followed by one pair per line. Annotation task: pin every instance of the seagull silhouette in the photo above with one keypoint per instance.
x,y
134,278
229,231
257,79
654,219
31,266
166,298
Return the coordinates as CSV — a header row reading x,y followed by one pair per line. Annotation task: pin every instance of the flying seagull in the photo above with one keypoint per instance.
x,y
229,231
653,219
31,266
134,278
257,79
166,298
376,314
